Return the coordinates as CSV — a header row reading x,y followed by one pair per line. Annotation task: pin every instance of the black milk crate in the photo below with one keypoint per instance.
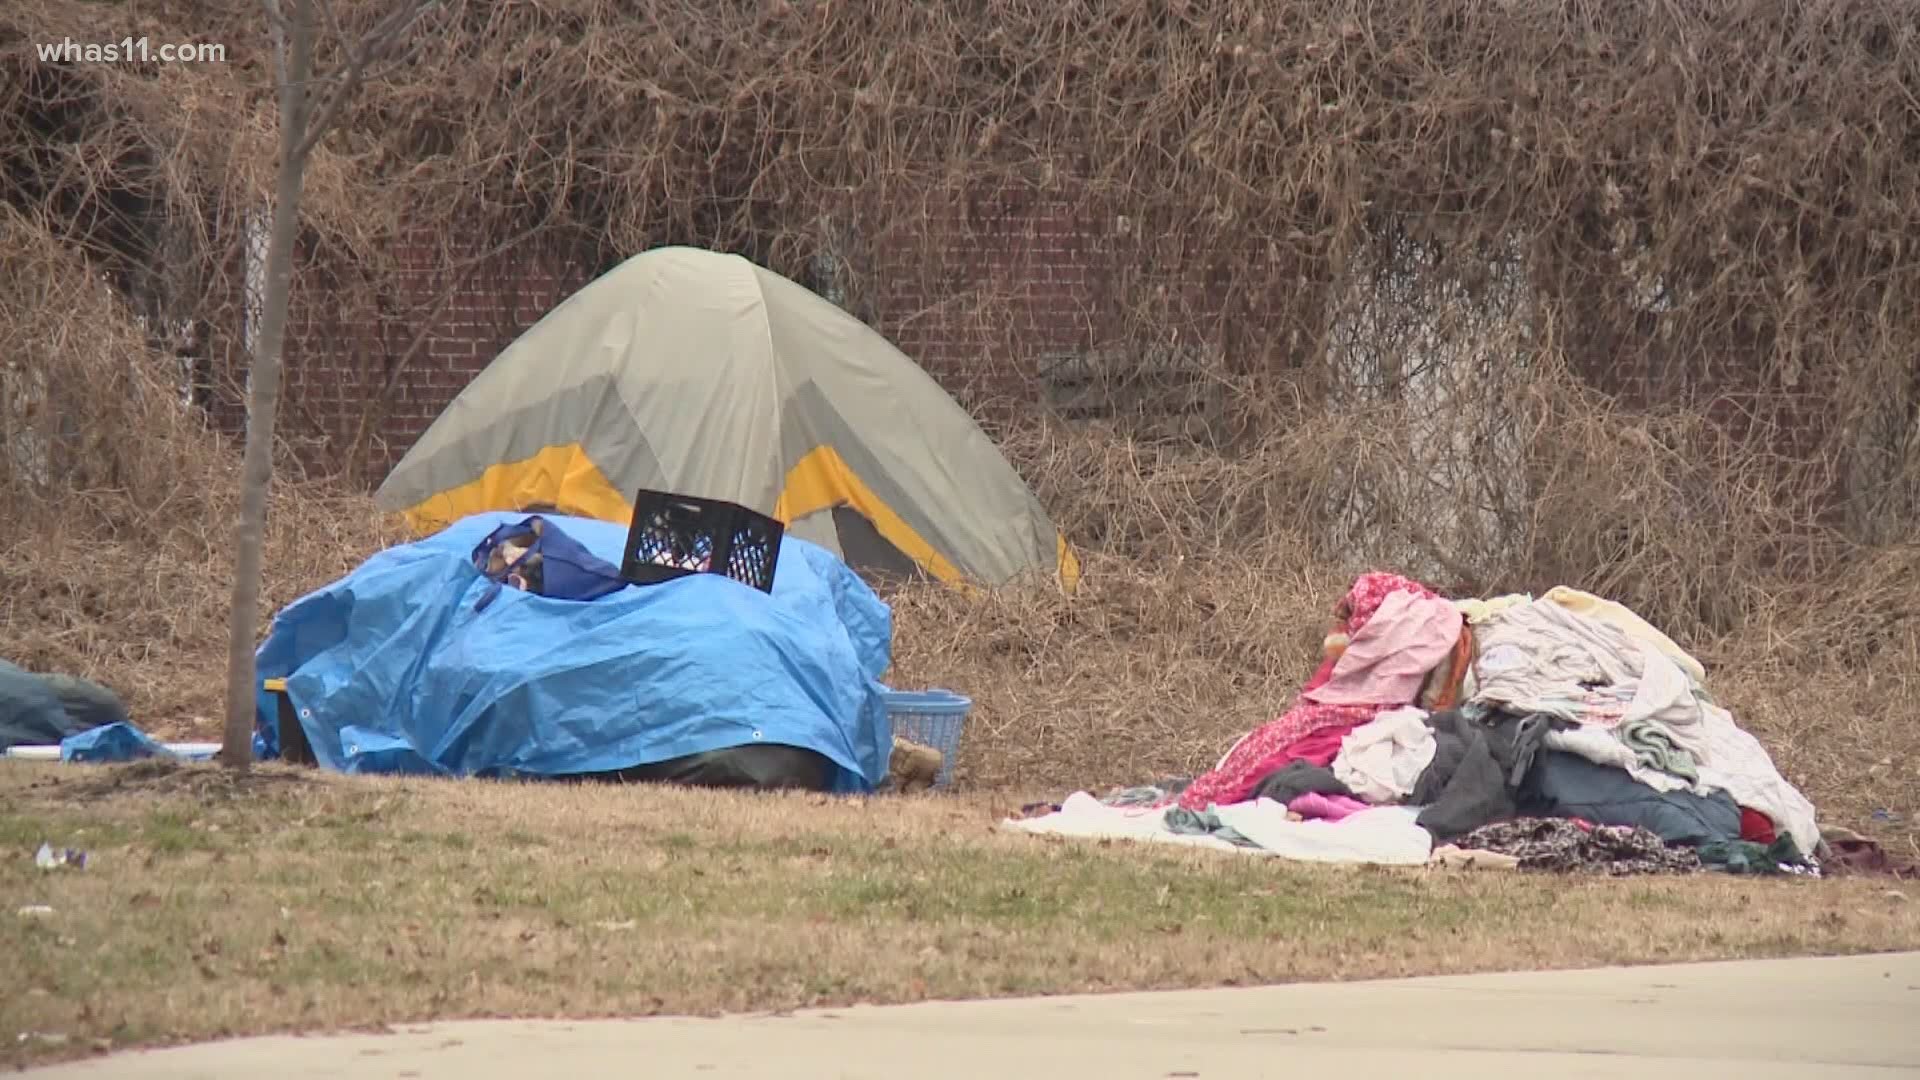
x,y
676,535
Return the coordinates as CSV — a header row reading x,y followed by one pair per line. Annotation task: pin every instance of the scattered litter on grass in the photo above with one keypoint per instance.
x,y
47,1038
48,859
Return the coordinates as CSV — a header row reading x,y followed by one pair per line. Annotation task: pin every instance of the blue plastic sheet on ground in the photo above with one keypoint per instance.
x,y
391,669
112,743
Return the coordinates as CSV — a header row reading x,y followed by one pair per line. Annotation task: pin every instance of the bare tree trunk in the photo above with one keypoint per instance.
x,y
263,401
294,25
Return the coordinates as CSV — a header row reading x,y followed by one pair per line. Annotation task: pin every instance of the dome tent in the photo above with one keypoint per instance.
x,y
702,374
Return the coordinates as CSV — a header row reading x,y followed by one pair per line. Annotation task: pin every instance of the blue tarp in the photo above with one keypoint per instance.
x,y
391,668
112,743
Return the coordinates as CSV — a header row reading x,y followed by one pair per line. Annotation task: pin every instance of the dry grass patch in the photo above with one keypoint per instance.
x,y
119,566
326,902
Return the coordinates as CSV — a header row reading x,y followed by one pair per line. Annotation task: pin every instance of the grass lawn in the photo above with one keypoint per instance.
x,y
297,901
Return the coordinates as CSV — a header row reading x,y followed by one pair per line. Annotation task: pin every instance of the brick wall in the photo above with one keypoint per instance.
x,y
393,357
989,290
1007,280
1000,292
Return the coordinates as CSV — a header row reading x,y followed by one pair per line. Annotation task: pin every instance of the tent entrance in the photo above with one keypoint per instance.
x,y
869,554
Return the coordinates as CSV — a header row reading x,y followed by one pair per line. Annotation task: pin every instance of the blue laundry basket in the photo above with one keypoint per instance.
x,y
931,718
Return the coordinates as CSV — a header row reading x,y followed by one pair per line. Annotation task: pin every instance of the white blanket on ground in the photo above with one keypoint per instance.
x,y
1085,817
1383,835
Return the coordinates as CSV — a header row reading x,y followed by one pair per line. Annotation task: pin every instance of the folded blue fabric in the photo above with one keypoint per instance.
x,y
111,743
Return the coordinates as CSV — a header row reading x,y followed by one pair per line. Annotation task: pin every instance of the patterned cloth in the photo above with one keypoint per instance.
x,y
1265,750
1558,844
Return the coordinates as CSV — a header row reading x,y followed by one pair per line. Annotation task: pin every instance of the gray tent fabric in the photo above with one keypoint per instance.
x,y
89,705
32,712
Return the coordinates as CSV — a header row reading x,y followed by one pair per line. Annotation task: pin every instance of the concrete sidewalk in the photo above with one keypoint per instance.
x,y
1844,1017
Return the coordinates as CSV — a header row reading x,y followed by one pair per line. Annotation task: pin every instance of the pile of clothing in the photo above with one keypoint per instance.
x,y
1557,732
